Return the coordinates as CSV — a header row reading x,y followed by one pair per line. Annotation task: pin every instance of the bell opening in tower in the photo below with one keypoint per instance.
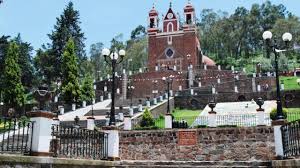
x,y
188,19
152,25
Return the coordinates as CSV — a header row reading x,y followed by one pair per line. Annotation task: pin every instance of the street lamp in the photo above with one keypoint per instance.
x,y
273,46
169,81
113,59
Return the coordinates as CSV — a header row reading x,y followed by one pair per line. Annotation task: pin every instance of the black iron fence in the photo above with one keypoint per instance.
x,y
78,143
15,135
291,139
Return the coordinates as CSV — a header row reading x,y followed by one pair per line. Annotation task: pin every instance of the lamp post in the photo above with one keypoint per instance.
x,y
113,59
273,46
169,81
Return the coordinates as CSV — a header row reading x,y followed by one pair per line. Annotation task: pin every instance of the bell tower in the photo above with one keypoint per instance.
x,y
153,21
170,23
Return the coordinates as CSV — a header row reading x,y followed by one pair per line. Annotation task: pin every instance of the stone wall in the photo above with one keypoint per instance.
x,y
211,144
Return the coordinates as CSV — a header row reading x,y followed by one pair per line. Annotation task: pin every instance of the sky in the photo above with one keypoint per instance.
x,y
102,19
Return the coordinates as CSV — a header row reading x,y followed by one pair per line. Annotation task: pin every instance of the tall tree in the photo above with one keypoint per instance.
x,y
87,89
4,43
25,62
70,85
67,26
14,91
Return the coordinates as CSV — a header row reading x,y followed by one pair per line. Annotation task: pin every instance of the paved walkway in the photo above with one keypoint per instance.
x,y
82,111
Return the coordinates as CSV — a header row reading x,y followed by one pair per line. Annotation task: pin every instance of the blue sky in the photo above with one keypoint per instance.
x,y
101,19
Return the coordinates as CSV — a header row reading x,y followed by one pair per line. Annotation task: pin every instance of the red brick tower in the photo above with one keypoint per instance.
x,y
174,44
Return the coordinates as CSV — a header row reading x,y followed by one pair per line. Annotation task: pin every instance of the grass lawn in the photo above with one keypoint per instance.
x,y
290,83
187,115
293,114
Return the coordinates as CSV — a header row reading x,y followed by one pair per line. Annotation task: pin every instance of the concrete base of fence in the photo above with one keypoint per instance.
x,y
90,123
168,121
127,123
56,121
41,132
113,142
212,119
278,137
261,117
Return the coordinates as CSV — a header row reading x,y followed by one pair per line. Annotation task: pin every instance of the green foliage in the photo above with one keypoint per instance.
x,y
227,126
147,119
87,89
147,128
201,126
274,112
14,91
67,26
70,85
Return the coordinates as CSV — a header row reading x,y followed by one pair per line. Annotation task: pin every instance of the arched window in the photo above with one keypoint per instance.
x,y
170,27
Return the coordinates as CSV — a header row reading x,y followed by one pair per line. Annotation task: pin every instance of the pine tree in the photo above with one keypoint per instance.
x,y
70,86
25,62
14,90
87,89
67,26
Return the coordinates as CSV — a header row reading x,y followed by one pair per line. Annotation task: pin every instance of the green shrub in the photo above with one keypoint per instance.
x,y
201,126
161,117
147,119
146,128
227,126
274,111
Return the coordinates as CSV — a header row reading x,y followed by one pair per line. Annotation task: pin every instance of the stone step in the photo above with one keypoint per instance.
x,y
195,164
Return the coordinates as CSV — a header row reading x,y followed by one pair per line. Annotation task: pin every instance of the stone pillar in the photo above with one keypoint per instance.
x,y
191,77
56,121
108,96
55,99
260,117
244,70
219,81
282,86
180,88
212,119
83,104
140,108
101,78
258,88
155,101
105,89
168,121
121,116
131,111
130,73
90,123
205,67
93,101
253,85
232,68
254,75
61,110
192,91
41,132
101,98
148,104
278,137
175,68
124,86
140,70
161,98
166,95
171,93
213,90
199,84
118,91
236,89
156,68
268,74
219,67
73,107
113,142
127,123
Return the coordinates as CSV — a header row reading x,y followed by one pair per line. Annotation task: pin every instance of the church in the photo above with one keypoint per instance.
x,y
175,44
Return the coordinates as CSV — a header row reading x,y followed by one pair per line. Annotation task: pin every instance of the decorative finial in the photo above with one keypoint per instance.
x,y
189,1
170,4
153,5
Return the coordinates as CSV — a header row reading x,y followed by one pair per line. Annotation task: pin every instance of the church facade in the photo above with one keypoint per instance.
x,y
174,45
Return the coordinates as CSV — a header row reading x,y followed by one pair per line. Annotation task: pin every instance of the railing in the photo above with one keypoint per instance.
x,y
291,139
15,136
78,143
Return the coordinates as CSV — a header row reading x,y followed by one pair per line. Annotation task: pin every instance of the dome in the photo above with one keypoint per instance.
x,y
206,60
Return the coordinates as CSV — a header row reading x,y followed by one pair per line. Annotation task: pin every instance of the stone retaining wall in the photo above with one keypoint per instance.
x,y
211,144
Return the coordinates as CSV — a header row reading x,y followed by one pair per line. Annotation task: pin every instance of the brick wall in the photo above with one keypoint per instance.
x,y
211,144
